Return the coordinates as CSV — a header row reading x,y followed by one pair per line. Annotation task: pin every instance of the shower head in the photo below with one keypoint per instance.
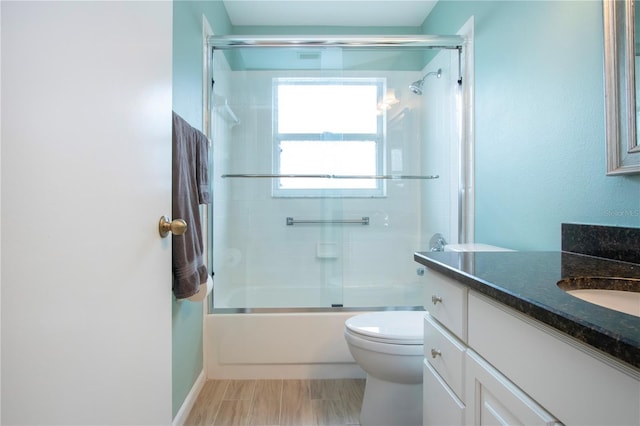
x,y
416,86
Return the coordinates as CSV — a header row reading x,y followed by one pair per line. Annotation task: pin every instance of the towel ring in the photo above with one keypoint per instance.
x,y
176,226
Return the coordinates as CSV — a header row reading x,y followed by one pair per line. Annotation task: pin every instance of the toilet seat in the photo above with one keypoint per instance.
x,y
389,327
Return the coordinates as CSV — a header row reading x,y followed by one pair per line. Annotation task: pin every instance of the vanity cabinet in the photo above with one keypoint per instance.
x,y
486,363
459,386
578,384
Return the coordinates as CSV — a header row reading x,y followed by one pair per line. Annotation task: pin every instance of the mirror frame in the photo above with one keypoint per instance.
x,y
622,150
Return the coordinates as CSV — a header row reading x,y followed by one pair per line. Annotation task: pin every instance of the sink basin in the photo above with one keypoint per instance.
x,y
619,294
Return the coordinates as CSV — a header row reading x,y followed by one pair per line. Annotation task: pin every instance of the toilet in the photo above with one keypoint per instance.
x,y
388,346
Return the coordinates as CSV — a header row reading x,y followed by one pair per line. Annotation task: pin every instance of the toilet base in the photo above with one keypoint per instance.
x,y
387,403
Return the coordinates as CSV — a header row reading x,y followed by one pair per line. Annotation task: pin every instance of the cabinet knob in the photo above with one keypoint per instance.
x,y
435,353
435,299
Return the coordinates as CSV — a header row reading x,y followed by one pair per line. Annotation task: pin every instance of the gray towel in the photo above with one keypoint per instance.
x,y
190,188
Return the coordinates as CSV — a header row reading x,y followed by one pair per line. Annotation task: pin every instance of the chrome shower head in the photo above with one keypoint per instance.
x,y
416,86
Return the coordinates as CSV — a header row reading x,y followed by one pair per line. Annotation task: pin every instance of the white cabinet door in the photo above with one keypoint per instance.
x,y
577,384
493,400
86,174
441,406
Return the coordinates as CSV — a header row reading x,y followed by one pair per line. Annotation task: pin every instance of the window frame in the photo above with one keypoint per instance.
x,y
379,138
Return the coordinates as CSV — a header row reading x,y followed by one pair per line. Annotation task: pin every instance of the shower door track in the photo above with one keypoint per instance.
x,y
395,41
454,42
313,310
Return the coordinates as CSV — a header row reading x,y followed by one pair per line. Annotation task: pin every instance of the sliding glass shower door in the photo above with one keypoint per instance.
x,y
319,172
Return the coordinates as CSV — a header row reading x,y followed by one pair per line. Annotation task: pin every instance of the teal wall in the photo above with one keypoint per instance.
x,y
187,102
539,120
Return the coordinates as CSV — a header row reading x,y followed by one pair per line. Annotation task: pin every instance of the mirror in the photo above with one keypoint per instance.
x,y
623,152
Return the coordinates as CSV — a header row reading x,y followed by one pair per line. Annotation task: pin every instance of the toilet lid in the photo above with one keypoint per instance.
x,y
400,327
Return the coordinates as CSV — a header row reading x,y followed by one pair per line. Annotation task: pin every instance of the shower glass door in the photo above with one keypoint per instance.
x,y
319,174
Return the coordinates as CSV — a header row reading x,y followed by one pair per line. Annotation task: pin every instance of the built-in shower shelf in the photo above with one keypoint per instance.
x,y
222,104
327,176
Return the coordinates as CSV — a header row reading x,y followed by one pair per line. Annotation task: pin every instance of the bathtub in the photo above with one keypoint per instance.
x,y
294,342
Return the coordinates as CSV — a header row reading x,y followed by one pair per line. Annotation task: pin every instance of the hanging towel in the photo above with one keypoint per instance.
x,y
190,189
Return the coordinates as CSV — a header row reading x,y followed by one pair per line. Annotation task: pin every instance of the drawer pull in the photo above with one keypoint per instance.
x,y
435,353
436,299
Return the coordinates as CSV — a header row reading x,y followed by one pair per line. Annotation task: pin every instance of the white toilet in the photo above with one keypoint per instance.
x,y
388,345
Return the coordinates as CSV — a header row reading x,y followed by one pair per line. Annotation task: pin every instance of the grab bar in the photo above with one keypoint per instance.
x,y
364,221
323,176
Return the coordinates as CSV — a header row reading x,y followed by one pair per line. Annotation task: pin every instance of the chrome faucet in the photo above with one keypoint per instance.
x,y
437,243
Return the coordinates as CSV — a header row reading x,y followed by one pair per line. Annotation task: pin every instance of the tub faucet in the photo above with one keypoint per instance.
x,y
437,243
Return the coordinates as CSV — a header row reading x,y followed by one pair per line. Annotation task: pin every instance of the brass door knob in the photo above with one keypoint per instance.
x,y
175,226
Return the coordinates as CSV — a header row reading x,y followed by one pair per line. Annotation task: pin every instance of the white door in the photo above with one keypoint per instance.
x,y
86,174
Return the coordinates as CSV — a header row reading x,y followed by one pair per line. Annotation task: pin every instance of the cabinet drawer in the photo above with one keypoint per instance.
x,y
445,354
446,300
441,406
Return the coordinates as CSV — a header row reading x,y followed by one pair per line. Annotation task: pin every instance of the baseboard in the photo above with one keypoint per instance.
x,y
189,401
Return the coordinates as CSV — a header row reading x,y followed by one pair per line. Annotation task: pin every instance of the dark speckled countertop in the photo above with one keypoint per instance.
x,y
527,282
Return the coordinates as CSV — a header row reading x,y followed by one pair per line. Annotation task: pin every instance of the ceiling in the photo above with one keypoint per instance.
x,y
359,13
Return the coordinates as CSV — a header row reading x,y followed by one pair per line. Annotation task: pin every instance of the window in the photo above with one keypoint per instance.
x,y
328,127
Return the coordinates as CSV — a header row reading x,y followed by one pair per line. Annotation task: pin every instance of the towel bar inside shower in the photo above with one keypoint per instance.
x,y
362,221
326,176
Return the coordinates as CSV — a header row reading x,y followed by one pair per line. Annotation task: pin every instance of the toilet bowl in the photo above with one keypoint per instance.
x,y
388,346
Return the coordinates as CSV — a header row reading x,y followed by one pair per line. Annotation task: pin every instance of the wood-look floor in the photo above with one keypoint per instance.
x,y
278,403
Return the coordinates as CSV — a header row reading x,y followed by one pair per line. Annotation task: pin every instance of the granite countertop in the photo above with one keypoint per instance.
x,y
527,282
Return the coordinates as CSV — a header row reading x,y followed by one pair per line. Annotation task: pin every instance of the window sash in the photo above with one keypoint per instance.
x,y
378,189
